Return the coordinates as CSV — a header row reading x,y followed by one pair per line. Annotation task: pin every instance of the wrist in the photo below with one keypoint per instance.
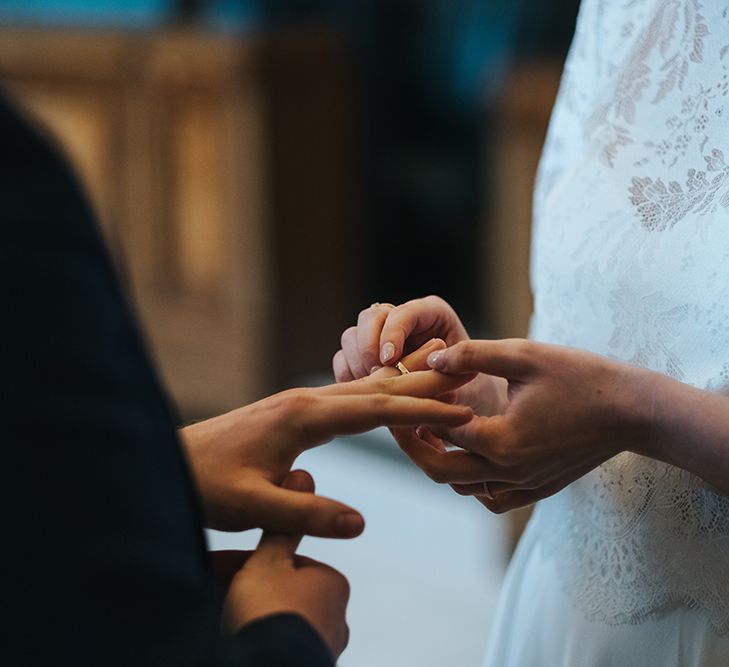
x,y
654,399
638,410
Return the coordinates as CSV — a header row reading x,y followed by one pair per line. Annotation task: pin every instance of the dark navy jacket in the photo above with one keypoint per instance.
x,y
104,559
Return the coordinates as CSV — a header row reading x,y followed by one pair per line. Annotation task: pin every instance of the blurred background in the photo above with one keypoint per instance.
x,y
263,170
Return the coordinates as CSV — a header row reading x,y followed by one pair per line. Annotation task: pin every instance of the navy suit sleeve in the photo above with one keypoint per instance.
x,y
104,557
285,639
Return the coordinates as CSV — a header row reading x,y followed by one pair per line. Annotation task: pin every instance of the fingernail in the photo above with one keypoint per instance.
x,y
437,359
348,524
374,369
387,352
419,432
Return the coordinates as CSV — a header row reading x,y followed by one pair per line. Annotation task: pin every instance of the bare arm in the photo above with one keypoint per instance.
x,y
568,411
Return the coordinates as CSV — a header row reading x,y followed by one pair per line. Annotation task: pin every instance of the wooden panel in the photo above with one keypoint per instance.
x,y
84,123
309,97
184,139
523,117
524,113
200,239
164,130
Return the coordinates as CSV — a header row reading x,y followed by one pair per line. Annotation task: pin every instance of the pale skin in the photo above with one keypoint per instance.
x,y
546,415
241,463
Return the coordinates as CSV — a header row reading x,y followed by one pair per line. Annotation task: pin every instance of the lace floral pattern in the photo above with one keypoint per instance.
x,y
631,260
661,205
614,523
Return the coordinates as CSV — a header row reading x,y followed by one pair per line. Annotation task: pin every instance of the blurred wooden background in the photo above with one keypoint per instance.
x,y
224,174
221,169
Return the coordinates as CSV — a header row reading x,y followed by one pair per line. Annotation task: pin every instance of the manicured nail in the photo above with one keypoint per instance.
x,y
437,359
348,524
387,352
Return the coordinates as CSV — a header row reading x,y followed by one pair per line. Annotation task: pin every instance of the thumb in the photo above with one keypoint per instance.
x,y
282,545
279,547
288,511
503,358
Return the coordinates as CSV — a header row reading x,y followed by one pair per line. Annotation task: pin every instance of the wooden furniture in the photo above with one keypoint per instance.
x,y
523,115
524,111
216,167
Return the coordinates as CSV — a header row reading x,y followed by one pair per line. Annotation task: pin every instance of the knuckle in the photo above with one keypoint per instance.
x,y
296,402
348,335
504,448
364,314
522,349
434,301
338,363
397,328
382,385
464,353
502,452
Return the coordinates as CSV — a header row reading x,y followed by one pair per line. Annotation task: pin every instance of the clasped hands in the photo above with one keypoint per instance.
x,y
544,415
526,419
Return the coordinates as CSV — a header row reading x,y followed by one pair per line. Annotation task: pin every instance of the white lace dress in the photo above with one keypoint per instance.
x,y
630,564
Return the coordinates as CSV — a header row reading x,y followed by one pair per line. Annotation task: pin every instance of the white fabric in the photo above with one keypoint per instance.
x,y
630,565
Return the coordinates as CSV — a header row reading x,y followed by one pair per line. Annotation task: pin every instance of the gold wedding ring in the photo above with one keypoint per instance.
x,y
376,304
487,491
402,368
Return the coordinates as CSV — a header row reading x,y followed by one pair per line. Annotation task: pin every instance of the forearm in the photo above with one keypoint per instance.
x,y
686,427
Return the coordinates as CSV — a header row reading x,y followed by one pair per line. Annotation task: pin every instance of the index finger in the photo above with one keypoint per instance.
x,y
278,547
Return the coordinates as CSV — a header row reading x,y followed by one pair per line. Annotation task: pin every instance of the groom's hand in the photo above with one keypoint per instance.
x,y
239,460
274,580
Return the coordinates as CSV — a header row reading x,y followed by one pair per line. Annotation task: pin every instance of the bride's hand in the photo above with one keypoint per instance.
x,y
384,333
568,411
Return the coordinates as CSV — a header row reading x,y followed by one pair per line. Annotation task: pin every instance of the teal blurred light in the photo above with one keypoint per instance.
x,y
120,12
